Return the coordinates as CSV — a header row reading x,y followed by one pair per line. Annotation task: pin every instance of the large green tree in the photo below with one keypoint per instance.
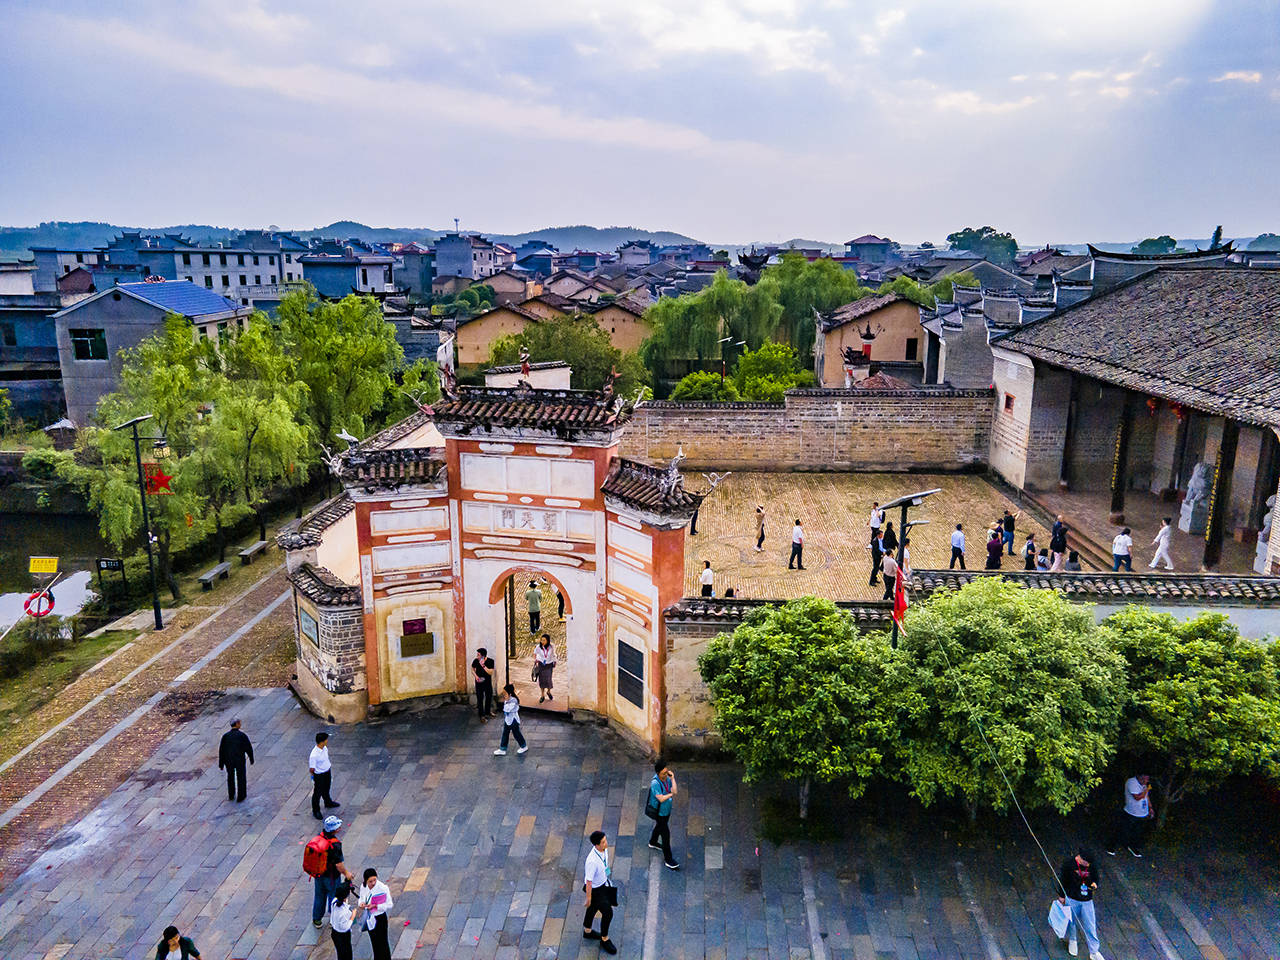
x,y
800,695
986,242
346,354
1157,245
1026,674
583,343
767,373
927,294
805,287
1265,241
1203,703
704,385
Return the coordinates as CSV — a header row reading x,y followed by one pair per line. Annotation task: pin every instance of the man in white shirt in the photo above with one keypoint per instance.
x,y
375,900
797,546
1131,825
875,521
1121,551
321,775
957,547
708,579
595,885
1161,543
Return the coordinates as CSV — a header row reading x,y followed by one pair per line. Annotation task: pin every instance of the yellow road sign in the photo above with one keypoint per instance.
x,y
43,565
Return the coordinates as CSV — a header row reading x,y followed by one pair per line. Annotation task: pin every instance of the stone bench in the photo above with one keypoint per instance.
x,y
222,570
251,551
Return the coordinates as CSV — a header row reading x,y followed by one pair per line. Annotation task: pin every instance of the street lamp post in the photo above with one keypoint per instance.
x,y
723,341
910,500
146,516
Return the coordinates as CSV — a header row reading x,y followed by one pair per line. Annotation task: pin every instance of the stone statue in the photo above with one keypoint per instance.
x,y
1264,536
672,479
1195,506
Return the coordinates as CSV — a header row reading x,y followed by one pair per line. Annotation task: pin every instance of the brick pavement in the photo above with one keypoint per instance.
x,y
833,508
22,838
484,854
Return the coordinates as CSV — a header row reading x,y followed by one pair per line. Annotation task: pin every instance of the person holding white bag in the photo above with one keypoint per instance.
x,y
1077,883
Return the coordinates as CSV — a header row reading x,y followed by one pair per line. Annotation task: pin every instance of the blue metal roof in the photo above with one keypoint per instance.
x,y
181,296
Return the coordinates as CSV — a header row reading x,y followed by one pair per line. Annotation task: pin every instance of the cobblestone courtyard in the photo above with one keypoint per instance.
x,y
834,507
483,856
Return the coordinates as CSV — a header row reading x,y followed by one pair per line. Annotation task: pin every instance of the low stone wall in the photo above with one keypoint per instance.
x,y
821,430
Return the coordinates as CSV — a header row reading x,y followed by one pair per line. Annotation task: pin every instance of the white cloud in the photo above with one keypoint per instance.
x,y
1239,76
967,101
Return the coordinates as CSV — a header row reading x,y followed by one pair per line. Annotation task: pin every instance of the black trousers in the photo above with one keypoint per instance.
x,y
1128,831
535,620
378,939
877,561
797,555
599,904
559,605
234,773
693,524
957,554
341,943
759,539
706,589
661,837
890,584
320,791
484,698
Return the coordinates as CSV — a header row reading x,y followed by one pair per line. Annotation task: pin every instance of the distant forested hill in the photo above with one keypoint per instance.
x,y
16,241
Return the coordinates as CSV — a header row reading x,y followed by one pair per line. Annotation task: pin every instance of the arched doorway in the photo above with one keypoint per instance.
x,y
519,592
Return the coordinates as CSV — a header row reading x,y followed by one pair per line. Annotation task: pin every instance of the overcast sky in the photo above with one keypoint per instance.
x,y
729,121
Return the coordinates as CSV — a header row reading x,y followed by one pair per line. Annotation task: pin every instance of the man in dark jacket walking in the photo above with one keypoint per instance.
x,y
232,751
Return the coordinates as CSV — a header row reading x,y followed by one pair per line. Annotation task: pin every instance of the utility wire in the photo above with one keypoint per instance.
x,y
982,733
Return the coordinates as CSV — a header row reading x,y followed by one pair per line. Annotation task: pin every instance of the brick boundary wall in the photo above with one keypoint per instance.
x,y
821,430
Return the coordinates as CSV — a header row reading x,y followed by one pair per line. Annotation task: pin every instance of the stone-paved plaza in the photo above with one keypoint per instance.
x,y
483,855
833,508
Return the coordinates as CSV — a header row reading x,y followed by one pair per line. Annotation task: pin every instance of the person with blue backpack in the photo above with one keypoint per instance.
x,y
662,790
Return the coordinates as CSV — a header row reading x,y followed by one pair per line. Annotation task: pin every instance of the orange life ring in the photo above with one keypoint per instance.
x,y
34,607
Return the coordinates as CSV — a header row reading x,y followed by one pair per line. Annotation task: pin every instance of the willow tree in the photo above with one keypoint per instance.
x,y
803,287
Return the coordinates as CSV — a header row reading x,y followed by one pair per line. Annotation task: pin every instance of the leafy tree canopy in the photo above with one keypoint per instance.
x,y
690,327
986,242
927,295
770,371
1265,241
705,385
1203,702
582,342
345,353
800,695
805,286
1038,675
1162,244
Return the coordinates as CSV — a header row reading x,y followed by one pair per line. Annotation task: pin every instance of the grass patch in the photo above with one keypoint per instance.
x,y
28,691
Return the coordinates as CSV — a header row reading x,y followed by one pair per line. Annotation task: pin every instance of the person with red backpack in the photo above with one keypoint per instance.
x,y
322,861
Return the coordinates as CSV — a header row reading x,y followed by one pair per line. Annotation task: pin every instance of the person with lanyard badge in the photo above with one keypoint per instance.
x,y
662,790
1078,879
174,946
602,895
375,900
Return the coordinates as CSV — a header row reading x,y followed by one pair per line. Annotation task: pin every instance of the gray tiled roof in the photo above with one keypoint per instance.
x,y
640,485
510,407
1208,338
319,585
313,526
1182,588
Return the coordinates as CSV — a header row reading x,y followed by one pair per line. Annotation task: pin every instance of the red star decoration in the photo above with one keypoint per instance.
x,y
158,481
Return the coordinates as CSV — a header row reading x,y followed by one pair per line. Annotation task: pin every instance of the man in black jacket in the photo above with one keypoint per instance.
x,y
233,749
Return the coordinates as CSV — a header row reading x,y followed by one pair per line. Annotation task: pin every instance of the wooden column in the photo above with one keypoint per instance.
x,y
1120,460
1220,495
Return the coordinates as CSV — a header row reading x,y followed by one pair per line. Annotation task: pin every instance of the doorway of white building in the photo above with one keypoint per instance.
x,y
534,605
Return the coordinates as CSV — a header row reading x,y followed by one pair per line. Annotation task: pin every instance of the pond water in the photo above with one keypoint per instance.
x,y
72,538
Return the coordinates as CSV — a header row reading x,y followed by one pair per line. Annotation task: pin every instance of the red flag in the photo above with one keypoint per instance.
x,y
899,603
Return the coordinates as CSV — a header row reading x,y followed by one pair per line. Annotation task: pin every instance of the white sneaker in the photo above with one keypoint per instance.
x,y
1072,948
499,752
523,750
